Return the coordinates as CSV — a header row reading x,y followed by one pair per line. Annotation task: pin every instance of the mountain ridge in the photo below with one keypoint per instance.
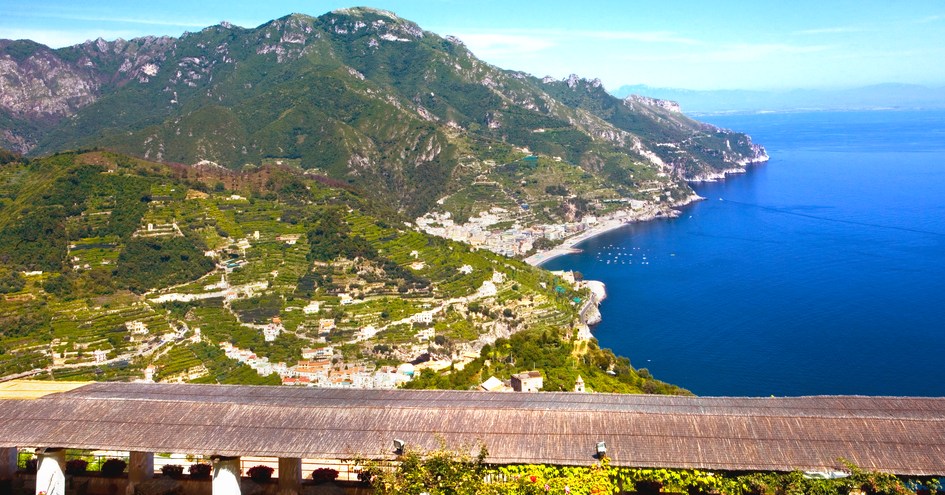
x,y
356,94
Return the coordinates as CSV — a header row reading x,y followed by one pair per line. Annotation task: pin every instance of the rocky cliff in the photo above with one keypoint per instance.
x,y
359,95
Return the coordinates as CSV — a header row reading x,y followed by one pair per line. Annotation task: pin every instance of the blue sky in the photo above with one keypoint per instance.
x,y
684,44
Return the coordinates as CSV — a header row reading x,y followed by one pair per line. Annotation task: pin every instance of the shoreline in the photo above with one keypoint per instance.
x,y
568,245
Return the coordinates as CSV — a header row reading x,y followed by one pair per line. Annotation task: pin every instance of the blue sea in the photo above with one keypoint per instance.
x,y
819,272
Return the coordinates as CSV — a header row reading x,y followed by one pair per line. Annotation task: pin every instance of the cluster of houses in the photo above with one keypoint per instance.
x,y
322,368
516,240
261,365
327,373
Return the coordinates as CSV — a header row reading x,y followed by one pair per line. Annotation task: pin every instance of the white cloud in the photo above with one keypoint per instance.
x,y
642,36
732,53
931,18
755,52
829,30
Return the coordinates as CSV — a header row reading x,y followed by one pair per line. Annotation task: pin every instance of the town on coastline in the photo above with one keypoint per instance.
x,y
520,240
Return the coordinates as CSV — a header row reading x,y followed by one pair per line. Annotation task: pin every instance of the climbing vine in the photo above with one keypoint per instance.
x,y
445,472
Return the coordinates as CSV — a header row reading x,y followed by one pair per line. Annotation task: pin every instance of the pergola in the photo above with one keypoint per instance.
x,y
901,435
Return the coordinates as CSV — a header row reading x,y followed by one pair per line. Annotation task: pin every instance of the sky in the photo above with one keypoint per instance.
x,y
691,44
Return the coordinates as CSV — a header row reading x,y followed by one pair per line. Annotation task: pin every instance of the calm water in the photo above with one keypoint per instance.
x,y
821,272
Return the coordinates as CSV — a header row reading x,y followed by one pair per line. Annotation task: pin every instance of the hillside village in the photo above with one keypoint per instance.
x,y
267,307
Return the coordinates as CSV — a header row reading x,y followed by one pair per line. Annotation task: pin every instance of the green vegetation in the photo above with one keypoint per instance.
x,y
560,360
143,256
443,471
154,262
412,122
327,148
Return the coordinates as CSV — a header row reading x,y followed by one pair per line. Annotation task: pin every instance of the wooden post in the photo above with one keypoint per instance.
x,y
226,475
7,462
50,472
140,469
290,476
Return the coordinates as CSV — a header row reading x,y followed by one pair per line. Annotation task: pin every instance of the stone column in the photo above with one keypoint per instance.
x,y
290,476
50,471
7,462
226,475
140,469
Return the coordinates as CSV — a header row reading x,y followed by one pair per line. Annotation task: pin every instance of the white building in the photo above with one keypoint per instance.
x,y
272,331
424,318
99,355
527,381
488,289
137,327
149,373
367,332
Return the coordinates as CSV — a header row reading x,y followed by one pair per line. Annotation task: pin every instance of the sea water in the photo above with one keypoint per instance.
x,y
820,272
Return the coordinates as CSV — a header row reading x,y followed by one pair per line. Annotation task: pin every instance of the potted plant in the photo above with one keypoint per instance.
x,y
76,466
113,468
260,474
322,475
200,471
172,470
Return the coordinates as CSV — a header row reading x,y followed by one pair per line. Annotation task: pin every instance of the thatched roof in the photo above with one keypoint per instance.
x,y
896,434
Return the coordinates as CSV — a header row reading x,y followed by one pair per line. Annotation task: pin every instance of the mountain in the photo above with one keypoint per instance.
x,y
113,267
876,97
359,95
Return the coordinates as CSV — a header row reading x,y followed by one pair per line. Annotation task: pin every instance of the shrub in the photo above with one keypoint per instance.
x,y
441,471
76,466
260,474
324,474
113,468
172,470
199,471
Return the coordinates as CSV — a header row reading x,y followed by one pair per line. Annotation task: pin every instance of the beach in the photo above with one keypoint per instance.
x,y
630,216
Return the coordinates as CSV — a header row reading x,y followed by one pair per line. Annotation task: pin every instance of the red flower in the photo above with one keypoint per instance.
x,y
533,478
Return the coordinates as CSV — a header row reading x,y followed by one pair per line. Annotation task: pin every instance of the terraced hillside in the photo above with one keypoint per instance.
x,y
113,267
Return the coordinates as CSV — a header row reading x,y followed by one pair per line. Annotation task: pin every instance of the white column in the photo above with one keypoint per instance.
x,y
226,476
290,476
140,469
50,472
7,462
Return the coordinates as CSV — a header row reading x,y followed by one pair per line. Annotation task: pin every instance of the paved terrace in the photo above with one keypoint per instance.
x,y
901,435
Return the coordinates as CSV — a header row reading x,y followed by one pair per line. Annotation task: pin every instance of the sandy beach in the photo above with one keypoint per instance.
x,y
568,245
